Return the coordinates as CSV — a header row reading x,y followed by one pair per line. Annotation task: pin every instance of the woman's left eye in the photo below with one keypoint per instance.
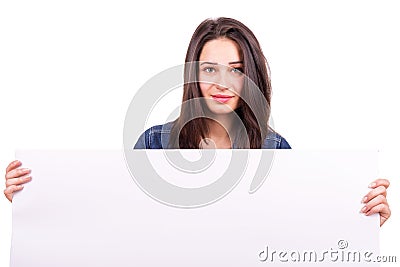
x,y
237,70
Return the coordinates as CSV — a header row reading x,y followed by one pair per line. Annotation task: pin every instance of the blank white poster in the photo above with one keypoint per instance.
x,y
84,208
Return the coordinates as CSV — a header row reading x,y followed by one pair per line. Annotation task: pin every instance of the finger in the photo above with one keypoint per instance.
x,y
379,182
380,199
13,165
383,210
18,181
380,190
17,173
9,191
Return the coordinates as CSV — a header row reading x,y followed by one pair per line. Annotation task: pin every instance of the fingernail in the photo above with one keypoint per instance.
x,y
363,209
371,185
364,200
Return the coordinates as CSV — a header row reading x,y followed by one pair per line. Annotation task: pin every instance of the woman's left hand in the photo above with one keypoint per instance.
x,y
375,201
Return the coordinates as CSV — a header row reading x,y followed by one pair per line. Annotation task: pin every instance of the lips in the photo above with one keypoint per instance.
x,y
222,98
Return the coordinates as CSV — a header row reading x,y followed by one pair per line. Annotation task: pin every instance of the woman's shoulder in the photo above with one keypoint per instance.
x,y
275,141
155,137
160,129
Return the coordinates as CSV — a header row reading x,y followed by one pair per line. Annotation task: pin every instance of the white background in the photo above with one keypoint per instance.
x,y
68,72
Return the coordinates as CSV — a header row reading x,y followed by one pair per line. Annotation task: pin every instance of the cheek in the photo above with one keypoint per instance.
x,y
238,85
204,88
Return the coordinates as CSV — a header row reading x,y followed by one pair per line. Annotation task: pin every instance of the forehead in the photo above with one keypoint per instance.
x,y
221,51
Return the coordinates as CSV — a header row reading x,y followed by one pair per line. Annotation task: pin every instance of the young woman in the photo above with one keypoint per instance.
x,y
226,85
226,104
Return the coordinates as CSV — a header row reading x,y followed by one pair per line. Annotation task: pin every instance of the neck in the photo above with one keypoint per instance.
x,y
220,126
220,133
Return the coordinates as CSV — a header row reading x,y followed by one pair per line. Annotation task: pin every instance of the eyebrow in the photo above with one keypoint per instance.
x,y
236,62
215,63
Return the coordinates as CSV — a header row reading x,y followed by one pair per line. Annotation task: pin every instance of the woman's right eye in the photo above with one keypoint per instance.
x,y
209,69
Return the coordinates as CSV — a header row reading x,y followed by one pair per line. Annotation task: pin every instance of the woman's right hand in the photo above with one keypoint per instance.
x,y
15,178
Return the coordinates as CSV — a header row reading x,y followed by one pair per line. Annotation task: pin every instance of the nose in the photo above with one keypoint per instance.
x,y
223,81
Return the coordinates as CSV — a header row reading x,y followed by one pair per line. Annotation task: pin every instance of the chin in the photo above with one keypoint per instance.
x,y
220,109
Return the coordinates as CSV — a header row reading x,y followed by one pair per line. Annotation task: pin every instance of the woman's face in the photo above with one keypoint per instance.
x,y
221,75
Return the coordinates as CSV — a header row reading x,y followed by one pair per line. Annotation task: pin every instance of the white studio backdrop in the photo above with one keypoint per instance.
x,y
68,71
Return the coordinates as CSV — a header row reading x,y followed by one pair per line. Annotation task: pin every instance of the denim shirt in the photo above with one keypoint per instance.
x,y
157,137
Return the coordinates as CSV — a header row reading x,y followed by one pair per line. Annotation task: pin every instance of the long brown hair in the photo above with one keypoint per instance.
x,y
191,126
